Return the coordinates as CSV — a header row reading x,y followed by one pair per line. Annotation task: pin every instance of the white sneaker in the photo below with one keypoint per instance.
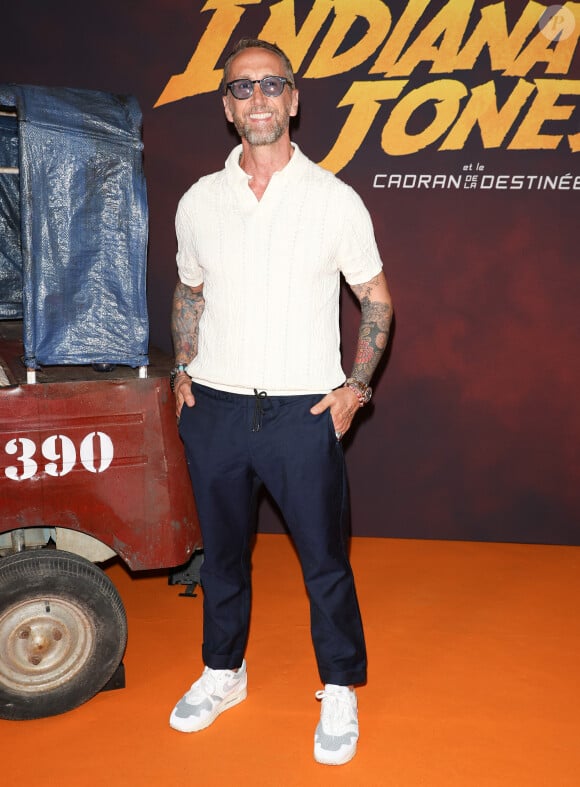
x,y
216,691
336,735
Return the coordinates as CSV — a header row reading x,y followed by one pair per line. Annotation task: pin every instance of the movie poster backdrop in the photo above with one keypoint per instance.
x,y
458,123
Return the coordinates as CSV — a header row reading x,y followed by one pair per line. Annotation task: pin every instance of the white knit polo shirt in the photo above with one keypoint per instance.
x,y
271,275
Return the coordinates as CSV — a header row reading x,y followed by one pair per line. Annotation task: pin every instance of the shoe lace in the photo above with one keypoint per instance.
x,y
203,686
337,709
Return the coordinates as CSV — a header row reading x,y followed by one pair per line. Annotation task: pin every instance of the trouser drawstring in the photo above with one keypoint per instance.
x,y
258,409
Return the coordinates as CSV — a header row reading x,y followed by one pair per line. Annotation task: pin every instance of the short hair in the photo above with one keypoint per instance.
x,y
256,43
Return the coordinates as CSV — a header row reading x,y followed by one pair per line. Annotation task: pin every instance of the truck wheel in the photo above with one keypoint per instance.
x,y
63,632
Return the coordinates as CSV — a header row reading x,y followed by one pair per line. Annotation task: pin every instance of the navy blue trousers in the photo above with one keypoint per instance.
x,y
234,443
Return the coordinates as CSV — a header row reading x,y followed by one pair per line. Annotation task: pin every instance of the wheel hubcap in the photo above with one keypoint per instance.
x,y
43,643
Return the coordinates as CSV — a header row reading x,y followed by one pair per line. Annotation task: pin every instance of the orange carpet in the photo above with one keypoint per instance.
x,y
473,680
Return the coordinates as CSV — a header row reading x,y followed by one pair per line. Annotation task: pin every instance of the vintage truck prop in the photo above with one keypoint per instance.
x,y
91,465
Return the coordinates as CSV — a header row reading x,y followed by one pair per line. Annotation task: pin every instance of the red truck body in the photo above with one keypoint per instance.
x,y
98,453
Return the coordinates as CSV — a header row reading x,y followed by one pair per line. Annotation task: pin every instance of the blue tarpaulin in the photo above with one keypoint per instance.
x,y
83,225
10,251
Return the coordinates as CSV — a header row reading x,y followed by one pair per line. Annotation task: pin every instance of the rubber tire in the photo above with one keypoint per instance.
x,y
46,591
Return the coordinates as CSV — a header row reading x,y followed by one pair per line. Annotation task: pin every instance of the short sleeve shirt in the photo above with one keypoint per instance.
x,y
271,270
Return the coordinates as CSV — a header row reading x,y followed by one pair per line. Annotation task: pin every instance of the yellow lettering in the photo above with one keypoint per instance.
x,y
491,31
566,44
326,62
438,42
541,49
400,35
365,98
281,28
574,142
543,108
482,109
201,76
446,95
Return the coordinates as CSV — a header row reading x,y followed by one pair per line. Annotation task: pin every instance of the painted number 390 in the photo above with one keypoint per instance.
x,y
60,455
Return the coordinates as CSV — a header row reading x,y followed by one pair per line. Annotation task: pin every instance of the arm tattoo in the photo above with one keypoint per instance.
x,y
376,315
188,307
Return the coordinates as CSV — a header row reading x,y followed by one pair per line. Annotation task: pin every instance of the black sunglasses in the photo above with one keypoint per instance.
x,y
272,87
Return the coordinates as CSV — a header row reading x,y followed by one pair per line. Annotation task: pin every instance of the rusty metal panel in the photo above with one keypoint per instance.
x,y
101,456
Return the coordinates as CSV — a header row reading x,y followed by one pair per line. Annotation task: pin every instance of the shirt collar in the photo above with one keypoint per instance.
x,y
241,178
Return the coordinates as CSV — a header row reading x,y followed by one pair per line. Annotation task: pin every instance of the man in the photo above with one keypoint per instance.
x,y
260,393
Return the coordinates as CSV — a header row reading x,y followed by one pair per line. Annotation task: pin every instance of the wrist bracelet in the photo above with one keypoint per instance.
x,y
179,369
363,391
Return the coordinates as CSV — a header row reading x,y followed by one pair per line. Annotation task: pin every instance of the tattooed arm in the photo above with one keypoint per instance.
x,y
376,315
188,305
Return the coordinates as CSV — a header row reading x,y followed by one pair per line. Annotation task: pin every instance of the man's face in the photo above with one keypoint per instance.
x,y
259,120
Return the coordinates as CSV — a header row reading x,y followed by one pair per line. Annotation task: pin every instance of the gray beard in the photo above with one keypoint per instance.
x,y
258,138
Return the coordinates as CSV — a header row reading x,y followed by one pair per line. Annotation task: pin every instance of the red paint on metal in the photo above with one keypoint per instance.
x,y
139,502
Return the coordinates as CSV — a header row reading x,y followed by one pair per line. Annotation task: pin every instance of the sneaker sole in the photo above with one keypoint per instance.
x,y
322,759
230,703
